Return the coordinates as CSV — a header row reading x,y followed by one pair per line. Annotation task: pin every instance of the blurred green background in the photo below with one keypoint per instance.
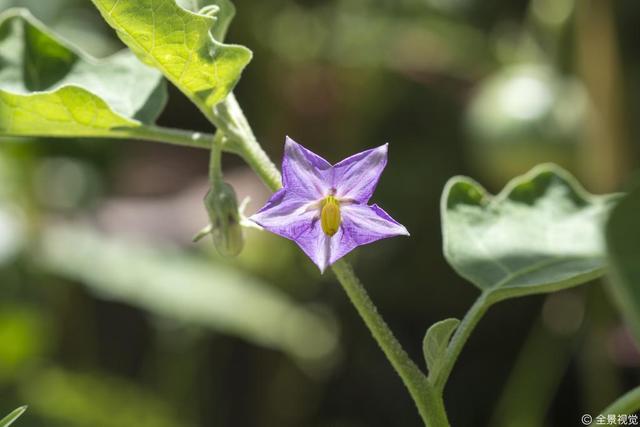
x,y
110,316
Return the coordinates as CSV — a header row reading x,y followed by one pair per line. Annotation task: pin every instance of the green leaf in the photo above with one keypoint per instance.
x,y
9,419
179,43
49,88
177,285
435,344
63,112
623,244
224,12
542,233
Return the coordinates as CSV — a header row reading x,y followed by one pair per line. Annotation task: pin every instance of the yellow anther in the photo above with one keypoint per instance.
x,y
330,216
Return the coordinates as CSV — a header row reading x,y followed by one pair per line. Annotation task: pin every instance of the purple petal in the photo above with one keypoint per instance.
x,y
361,224
304,172
285,214
321,248
356,177
316,245
365,224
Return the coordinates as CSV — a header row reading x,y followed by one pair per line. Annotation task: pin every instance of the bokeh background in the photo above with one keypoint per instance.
x,y
111,317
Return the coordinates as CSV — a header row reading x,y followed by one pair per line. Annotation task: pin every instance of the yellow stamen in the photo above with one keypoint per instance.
x,y
330,216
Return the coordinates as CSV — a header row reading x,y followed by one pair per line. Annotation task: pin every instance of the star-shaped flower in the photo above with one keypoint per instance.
x,y
323,208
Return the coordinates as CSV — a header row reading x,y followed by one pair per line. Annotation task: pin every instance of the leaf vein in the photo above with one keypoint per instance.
x,y
114,7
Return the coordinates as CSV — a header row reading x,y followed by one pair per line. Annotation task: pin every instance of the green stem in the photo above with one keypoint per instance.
x,y
215,163
232,121
168,136
258,160
460,338
629,403
429,403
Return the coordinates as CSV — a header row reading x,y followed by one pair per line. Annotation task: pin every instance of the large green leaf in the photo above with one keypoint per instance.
x,y
542,233
623,243
9,419
187,288
180,43
48,88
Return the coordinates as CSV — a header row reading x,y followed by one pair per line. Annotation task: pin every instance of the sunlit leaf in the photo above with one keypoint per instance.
x,y
62,112
623,243
187,288
179,43
435,344
542,233
9,419
49,88
223,12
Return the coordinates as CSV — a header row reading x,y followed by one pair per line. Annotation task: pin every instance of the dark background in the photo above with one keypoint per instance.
x,y
486,88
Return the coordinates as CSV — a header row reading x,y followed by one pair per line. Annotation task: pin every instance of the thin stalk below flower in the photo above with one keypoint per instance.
x,y
429,403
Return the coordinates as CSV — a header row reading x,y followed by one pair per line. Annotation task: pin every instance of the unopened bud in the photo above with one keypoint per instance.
x,y
222,205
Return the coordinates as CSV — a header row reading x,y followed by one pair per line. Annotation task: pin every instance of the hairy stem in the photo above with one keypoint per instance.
x,y
460,338
429,403
628,403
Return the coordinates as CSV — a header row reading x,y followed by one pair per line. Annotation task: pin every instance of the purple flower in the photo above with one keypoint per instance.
x,y
323,208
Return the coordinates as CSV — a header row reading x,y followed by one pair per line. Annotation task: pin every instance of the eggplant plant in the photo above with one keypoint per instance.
x,y
542,233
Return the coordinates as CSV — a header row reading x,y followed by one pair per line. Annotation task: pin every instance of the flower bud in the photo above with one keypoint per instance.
x,y
222,206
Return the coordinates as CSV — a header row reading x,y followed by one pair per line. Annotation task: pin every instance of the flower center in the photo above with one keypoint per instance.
x,y
330,216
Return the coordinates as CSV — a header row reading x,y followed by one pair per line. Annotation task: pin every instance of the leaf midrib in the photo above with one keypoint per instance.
x,y
522,272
